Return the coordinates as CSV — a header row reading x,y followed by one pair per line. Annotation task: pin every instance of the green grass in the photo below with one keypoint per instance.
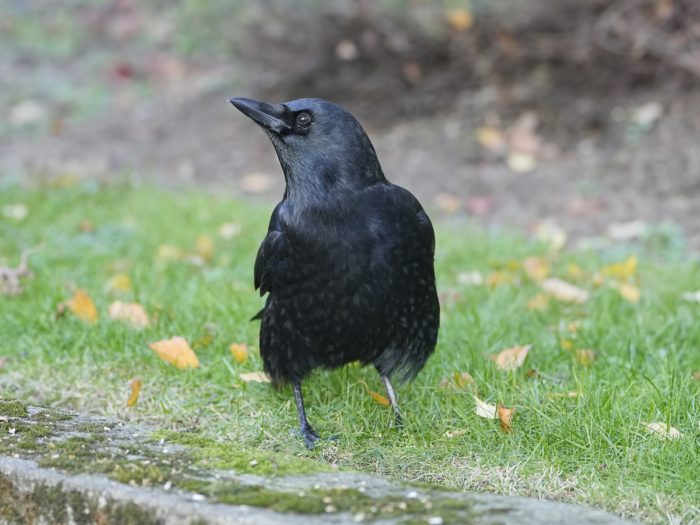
x,y
591,449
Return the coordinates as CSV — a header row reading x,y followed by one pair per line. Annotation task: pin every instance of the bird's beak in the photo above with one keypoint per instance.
x,y
266,115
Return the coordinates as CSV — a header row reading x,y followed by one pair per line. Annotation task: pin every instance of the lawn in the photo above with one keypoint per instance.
x,y
577,433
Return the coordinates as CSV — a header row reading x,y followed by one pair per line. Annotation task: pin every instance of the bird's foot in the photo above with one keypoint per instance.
x,y
309,436
398,421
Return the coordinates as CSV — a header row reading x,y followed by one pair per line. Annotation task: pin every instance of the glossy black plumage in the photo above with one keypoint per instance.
x,y
347,262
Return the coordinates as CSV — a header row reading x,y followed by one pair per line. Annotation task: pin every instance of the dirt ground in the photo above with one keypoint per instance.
x,y
508,154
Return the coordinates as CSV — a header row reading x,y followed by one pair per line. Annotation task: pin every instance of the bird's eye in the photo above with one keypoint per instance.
x,y
303,119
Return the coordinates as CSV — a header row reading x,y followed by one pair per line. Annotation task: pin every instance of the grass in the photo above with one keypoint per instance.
x,y
591,449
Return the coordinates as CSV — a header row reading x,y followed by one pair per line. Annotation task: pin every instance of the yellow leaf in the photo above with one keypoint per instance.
x,y
491,139
585,356
504,416
82,306
120,283
483,409
460,19
135,385
205,247
536,268
499,278
567,344
563,291
628,292
168,253
130,313
239,352
662,430
176,351
380,399
539,302
255,377
204,341
511,358
623,270
574,271
458,380
574,326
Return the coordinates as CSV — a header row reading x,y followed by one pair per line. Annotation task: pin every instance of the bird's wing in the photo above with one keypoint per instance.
x,y
271,254
411,217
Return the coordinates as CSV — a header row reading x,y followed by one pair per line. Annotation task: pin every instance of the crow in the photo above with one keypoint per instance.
x,y
348,260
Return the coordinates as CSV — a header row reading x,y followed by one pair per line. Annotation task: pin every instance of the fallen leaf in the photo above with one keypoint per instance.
x,y
566,344
239,352
570,394
472,278
564,291
499,278
82,306
255,377
379,398
15,212
662,430
257,182
691,296
459,19
457,380
574,326
519,162
86,226
176,351
491,138
628,292
696,376
168,253
483,409
536,268
130,313
539,302
505,415
135,385
585,356
229,230
549,232
447,202
205,247
623,270
511,358
455,433
120,283
574,271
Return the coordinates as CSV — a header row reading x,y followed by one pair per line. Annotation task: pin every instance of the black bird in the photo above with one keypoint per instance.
x,y
348,258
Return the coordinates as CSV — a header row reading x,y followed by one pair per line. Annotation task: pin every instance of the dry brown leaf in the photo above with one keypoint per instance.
x,y
239,352
205,247
483,409
566,344
135,385
585,356
176,351
119,283
459,19
539,302
536,268
628,292
83,307
130,313
511,358
564,291
255,377
662,430
505,415
380,399
499,278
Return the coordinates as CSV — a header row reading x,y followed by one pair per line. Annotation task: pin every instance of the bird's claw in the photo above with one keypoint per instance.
x,y
309,436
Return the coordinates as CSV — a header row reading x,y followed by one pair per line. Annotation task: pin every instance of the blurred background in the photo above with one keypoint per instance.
x,y
578,114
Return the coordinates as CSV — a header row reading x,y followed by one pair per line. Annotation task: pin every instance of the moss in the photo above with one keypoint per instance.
x,y
215,454
139,473
90,428
13,408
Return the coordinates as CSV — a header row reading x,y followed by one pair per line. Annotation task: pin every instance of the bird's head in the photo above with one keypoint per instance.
x,y
321,147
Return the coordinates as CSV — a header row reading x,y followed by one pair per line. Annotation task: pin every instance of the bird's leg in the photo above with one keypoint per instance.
x,y
307,432
392,398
